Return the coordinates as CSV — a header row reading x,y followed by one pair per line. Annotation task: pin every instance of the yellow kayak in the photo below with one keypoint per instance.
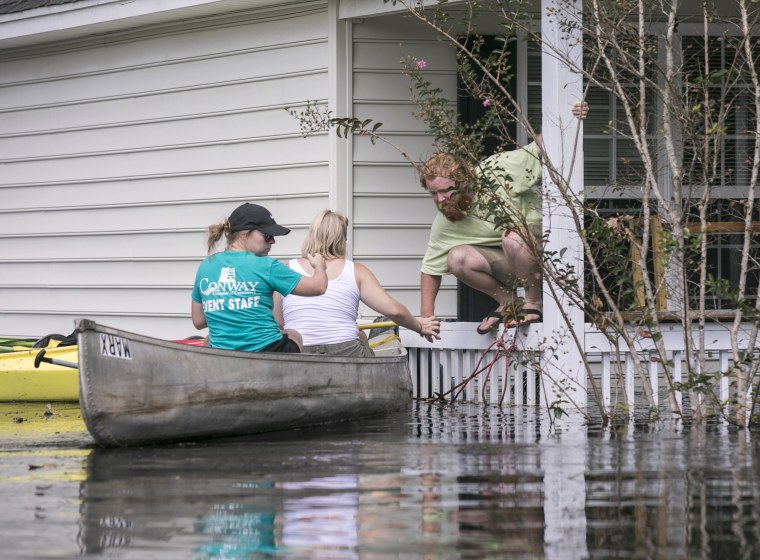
x,y
21,381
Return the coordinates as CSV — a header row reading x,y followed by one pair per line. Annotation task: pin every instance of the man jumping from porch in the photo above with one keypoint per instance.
x,y
464,242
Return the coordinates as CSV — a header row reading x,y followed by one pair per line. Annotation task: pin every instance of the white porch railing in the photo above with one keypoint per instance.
x,y
515,379
438,368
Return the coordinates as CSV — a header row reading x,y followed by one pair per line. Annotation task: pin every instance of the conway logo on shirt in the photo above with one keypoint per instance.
x,y
227,285
240,295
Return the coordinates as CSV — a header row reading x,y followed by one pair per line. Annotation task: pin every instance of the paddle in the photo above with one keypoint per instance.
x,y
379,325
41,358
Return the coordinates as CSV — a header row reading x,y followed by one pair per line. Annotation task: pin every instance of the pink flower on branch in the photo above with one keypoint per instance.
x,y
421,65
486,103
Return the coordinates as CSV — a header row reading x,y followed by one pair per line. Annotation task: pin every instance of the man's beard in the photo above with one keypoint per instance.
x,y
455,207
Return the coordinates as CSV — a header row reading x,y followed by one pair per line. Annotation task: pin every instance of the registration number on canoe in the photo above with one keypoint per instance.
x,y
115,347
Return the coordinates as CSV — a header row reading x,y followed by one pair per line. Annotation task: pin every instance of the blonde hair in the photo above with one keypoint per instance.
x,y
443,164
327,235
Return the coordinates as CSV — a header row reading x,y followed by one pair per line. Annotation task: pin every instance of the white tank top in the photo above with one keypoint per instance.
x,y
329,318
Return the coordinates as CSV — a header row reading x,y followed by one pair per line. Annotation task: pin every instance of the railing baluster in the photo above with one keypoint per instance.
x,y
493,381
654,378
459,373
518,377
425,373
435,372
534,364
469,366
448,369
724,394
606,380
630,374
497,375
678,375
414,371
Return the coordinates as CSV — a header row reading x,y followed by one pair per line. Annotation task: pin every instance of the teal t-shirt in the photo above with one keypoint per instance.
x,y
235,289
517,171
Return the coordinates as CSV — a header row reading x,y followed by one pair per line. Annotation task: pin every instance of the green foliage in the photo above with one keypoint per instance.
x,y
557,408
609,238
700,383
465,142
350,125
317,119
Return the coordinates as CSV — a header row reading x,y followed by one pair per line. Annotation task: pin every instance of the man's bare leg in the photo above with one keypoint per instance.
x,y
522,261
469,266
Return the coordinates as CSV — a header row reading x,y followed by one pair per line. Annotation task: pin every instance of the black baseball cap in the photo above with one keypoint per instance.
x,y
252,216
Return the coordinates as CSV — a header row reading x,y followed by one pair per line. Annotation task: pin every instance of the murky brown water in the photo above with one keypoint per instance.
x,y
459,481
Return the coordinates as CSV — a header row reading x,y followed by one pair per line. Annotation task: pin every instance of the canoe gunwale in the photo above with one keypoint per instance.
x,y
83,325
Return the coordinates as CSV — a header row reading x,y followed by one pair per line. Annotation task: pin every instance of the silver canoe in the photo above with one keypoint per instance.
x,y
136,390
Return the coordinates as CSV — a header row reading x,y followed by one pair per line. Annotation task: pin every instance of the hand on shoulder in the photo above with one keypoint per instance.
x,y
316,261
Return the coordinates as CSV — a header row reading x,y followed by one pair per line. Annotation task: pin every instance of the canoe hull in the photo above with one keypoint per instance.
x,y
21,381
138,390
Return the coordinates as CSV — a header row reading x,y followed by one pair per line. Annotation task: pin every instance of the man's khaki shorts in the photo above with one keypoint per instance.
x,y
496,260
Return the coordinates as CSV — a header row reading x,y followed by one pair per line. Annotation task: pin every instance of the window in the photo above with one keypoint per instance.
x,y
715,86
718,91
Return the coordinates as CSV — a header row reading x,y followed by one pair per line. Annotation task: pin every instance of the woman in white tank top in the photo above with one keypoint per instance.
x,y
328,323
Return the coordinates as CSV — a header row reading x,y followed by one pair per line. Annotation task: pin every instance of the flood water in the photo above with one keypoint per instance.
x,y
434,481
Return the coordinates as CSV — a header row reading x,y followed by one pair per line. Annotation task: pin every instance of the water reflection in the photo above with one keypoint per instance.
x,y
674,494
379,488
238,530
438,482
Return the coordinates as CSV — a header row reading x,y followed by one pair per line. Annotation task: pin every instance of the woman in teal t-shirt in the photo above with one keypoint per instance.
x,y
232,294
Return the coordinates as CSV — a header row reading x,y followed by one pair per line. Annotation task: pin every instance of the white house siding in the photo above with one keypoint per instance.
x,y
116,153
391,213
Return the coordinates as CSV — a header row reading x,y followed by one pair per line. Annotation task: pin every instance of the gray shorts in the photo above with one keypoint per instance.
x,y
353,348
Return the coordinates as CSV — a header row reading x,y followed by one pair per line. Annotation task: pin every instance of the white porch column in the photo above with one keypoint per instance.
x,y
340,103
562,369
563,462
